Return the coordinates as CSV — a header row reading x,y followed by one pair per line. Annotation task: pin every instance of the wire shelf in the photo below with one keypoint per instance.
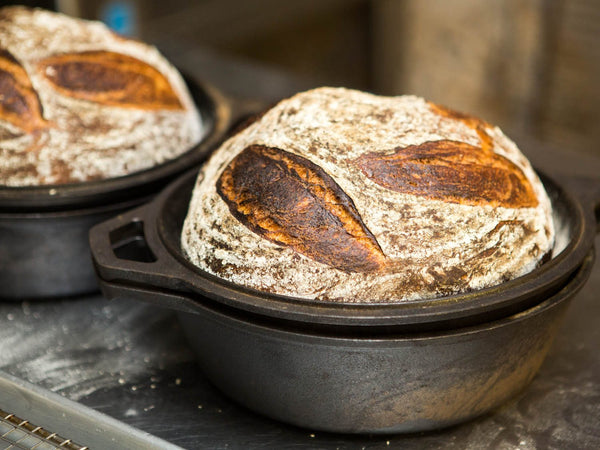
x,y
17,434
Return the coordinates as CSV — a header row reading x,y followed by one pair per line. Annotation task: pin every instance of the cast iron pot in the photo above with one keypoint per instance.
x,y
44,250
402,367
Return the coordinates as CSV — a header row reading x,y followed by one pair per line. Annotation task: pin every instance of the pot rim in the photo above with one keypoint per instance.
x,y
171,271
74,212
372,335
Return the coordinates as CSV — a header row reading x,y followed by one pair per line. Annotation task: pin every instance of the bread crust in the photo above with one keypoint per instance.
x,y
450,171
290,201
80,103
445,203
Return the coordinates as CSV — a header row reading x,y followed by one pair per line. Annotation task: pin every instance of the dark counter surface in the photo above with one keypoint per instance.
x,y
131,361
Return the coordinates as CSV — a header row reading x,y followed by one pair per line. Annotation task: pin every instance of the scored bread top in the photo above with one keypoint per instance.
x,y
340,195
80,103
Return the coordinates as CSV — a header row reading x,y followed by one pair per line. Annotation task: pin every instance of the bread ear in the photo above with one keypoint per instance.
x,y
110,78
19,102
291,201
475,123
451,171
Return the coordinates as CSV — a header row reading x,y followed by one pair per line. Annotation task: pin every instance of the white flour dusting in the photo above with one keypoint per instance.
x,y
82,346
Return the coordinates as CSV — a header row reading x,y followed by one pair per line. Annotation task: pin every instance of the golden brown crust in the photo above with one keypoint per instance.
x,y
471,121
20,104
110,78
451,171
291,201
475,123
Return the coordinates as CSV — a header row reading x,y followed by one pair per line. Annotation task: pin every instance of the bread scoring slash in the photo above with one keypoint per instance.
x,y
80,103
340,195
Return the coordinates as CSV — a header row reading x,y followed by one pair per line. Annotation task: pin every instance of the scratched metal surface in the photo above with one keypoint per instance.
x,y
131,360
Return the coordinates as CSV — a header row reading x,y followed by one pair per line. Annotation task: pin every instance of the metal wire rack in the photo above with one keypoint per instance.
x,y
16,433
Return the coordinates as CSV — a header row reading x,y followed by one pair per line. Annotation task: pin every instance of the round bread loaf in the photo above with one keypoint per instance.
x,y
340,195
79,103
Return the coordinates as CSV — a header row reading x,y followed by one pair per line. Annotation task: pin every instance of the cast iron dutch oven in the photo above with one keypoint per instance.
x,y
373,368
44,250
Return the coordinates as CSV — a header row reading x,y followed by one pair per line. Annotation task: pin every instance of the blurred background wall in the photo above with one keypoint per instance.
x,y
530,66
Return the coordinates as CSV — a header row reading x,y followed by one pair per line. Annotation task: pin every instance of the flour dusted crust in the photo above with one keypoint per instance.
x,y
80,103
340,195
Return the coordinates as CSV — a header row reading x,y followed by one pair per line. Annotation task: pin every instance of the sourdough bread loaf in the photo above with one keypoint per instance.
x,y
340,195
79,103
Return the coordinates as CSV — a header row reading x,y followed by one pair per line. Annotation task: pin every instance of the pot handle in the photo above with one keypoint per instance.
x,y
127,252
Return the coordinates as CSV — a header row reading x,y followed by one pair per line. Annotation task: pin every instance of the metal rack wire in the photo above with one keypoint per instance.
x,y
17,433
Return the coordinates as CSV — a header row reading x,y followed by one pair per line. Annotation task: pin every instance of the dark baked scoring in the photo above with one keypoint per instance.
x,y
20,103
291,201
451,171
111,79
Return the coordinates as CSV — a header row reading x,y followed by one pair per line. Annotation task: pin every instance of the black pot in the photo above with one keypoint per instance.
x,y
371,368
44,249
